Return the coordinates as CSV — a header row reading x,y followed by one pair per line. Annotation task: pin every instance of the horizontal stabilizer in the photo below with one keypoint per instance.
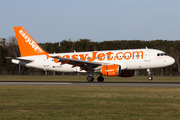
x,y
21,59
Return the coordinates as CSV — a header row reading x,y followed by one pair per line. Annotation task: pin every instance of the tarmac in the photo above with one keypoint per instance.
x,y
90,84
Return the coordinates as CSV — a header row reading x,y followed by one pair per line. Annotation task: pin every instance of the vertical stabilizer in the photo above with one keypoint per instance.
x,y
27,45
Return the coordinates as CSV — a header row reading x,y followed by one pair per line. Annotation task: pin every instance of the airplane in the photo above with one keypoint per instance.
x,y
121,63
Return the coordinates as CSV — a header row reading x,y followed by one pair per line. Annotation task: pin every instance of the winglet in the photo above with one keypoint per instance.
x,y
27,44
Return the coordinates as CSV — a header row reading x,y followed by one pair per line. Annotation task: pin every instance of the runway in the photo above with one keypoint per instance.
x,y
95,84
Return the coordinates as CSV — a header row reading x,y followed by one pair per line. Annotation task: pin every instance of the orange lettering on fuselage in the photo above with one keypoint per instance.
x,y
127,55
56,59
93,56
101,57
66,56
118,54
83,56
137,54
109,55
105,56
74,56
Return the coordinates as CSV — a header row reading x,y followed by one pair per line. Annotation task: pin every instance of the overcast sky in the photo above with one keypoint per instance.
x,y
98,20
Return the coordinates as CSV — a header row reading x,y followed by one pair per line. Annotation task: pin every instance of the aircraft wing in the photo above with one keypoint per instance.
x,y
84,65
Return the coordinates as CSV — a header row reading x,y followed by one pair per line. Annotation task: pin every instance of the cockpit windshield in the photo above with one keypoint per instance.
x,y
161,54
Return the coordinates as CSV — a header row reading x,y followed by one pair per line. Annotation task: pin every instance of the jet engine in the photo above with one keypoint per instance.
x,y
111,70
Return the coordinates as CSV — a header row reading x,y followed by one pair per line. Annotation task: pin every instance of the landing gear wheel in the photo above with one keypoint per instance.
x,y
150,78
90,78
100,79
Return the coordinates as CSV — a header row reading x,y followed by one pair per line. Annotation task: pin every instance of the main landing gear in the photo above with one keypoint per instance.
x,y
91,78
100,78
149,74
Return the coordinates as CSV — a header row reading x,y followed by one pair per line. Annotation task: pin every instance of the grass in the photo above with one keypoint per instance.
x,y
89,103
83,78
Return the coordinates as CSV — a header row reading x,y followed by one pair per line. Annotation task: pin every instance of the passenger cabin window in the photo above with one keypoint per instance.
x,y
161,54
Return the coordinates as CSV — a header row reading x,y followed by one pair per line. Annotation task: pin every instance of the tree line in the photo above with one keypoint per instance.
x,y
11,49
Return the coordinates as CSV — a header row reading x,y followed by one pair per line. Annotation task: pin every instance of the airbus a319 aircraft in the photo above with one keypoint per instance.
x,y
108,63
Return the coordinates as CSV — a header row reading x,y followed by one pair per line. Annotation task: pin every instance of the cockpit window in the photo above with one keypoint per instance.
x,y
161,54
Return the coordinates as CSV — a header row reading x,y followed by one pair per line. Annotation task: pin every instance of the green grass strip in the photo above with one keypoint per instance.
x,y
89,103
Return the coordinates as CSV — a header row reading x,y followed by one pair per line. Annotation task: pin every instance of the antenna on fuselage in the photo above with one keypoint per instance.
x,y
146,47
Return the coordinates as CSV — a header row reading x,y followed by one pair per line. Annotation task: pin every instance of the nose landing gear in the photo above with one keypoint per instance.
x,y
149,74
150,78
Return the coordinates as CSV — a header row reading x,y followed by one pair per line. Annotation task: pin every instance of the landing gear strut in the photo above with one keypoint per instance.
x,y
100,78
90,78
149,74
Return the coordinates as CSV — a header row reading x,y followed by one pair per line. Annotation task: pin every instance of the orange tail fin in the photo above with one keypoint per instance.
x,y
27,44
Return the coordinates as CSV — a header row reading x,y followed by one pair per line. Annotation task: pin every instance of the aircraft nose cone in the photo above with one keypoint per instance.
x,y
171,60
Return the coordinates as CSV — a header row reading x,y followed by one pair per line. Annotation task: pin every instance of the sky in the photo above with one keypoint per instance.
x,y
97,20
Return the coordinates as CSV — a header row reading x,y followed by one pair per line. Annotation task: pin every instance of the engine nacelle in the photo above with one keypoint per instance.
x,y
127,73
111,70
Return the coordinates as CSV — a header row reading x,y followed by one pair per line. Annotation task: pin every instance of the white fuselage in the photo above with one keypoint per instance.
x,y
132,59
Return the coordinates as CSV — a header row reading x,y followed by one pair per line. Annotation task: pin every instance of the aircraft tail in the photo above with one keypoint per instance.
x,y
27,45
